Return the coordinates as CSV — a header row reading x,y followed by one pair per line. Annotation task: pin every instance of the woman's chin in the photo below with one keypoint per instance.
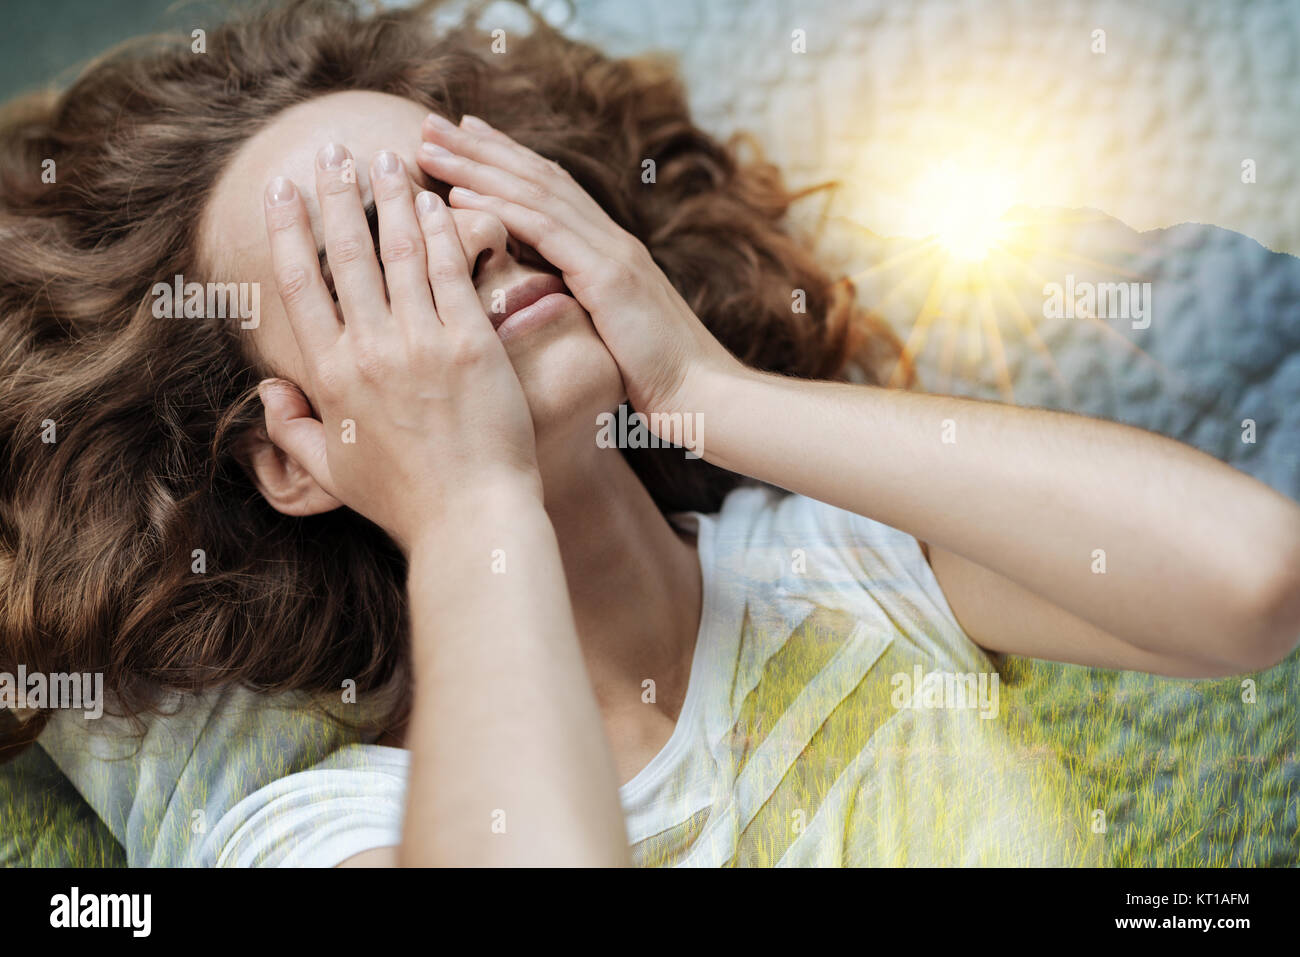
x,y
568,376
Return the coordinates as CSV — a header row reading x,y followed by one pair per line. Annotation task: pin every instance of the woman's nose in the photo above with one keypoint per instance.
x,y
486,243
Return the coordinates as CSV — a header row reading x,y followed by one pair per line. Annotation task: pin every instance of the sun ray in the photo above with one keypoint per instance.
x,y
1119,337
971,249
1026,326
923,268
916,339
948,355
991,329
1070,257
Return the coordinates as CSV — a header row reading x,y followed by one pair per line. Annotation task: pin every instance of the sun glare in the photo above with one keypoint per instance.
x,y
958,221
971,238
961,207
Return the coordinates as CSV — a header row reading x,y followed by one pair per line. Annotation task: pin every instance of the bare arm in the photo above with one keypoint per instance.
x,y
509,763
1053,535
1202,563
418,422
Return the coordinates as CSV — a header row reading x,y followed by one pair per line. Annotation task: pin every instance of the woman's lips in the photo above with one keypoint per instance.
x,y
538,314
533,302
524,294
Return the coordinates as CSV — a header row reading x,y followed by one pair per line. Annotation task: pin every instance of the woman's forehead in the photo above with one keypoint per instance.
x,y
233,235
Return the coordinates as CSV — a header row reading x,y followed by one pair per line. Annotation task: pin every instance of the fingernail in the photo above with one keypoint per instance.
x,y
280,191
387,163
426,202
331,156
433,150
474,123
437,119
462,193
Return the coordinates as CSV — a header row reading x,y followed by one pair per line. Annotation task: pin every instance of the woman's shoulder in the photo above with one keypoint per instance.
x,y
788,550
762,520
163,781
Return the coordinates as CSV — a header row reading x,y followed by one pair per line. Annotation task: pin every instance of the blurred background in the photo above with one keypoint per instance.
x,y
1153,130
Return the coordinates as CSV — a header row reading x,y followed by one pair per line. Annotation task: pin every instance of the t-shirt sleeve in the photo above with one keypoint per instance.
x,y
350,802
876,571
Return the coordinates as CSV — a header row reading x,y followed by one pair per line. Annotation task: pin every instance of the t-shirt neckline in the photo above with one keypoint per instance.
x,y
688,719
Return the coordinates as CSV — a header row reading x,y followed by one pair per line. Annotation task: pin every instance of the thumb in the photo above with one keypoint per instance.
x,y
293,429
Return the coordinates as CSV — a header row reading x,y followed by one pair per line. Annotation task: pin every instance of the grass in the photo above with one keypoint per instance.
x,y
45,823
1187,773
1153,771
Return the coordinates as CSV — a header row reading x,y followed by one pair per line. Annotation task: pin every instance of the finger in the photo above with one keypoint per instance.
x,y
560,246
349,245
293,429
531,163
455,299
401,243
491,180
296,268
476,140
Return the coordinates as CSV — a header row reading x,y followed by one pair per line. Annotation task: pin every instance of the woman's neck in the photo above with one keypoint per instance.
x,y
633,579
635,586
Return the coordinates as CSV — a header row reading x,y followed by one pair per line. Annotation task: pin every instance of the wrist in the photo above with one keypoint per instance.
x,y
708,386
715,394
493,500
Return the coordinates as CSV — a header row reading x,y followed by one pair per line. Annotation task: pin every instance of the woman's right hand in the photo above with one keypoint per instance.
x,y
416,404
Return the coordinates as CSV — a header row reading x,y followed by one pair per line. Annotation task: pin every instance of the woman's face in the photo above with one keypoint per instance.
x,y
566,372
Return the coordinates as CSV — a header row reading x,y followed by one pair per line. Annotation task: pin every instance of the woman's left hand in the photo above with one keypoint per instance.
x,y
661,347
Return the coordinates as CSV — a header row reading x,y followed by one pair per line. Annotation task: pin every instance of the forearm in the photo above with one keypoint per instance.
x,y
509,762
1190,545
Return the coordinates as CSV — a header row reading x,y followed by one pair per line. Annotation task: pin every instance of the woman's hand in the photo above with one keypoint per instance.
x,y
415,399
661,347
444,439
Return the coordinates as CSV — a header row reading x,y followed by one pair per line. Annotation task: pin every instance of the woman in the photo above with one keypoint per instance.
x,y
424,500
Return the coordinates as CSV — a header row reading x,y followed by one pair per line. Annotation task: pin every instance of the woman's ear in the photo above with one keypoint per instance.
x,y
286,484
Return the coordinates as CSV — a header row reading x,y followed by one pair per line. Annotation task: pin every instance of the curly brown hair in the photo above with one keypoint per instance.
x,y
98,528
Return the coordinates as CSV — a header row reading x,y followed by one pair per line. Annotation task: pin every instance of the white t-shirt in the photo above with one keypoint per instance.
x,y
836,714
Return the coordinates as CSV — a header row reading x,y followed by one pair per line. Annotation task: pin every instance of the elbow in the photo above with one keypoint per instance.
x,y
1269,624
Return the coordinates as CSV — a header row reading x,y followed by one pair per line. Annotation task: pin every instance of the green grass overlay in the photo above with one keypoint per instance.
x,y
45,823
1186,773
